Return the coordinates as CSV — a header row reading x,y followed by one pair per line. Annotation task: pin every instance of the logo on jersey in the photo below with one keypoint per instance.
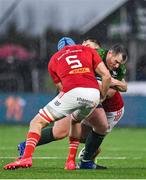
x,y
79,70
114,74
87,102
57,103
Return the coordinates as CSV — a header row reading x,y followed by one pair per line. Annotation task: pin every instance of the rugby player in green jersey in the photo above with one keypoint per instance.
x,y
113,106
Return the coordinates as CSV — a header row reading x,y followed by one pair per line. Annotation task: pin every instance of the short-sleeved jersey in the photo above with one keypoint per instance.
x,y
74,66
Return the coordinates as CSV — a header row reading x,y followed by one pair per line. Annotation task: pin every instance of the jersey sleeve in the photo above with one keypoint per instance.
x,y
52,72
102,53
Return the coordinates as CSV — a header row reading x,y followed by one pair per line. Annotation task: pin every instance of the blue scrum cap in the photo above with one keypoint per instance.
x,y
64,42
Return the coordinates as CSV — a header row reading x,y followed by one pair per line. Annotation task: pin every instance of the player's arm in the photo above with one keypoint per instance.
x,y
110,93
119,85
106,78
103,72
59,86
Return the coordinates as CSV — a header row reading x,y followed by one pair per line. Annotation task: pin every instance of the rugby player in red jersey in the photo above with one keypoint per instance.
x,y
113,106
73,69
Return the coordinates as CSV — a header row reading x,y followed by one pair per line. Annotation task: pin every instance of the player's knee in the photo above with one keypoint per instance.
x,y
38,122
104,128
101,129
62,133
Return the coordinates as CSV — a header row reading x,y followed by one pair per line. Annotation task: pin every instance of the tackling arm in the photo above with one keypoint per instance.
x,y
106,78
119,85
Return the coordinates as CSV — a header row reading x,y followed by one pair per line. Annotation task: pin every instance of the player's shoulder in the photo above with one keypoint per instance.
x,y
89,48
53,59
55,56
73,48
77,46
102,51
123,68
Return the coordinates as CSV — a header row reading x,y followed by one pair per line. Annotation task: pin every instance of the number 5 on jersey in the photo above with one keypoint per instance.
x,y
73,61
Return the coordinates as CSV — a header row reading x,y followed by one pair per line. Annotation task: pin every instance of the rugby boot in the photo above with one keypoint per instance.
x,y
70,165
89,165
21,148
81,154
19,163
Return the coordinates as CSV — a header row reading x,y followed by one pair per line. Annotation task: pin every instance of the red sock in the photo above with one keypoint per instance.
x,y
73,147
31,141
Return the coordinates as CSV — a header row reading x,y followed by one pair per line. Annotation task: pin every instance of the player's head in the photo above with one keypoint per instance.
x,y
64,42
116,56
91,42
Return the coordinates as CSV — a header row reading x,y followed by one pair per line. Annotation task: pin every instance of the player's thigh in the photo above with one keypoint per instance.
x,y
61,128
98,120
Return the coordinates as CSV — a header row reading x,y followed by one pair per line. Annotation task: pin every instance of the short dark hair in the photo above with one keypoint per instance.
x,y
92,39
119,48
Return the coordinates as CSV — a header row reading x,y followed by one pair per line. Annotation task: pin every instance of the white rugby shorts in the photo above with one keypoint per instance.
x,y
112,117
79,102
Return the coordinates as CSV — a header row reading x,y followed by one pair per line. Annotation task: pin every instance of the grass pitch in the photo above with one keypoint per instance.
x,y
123,151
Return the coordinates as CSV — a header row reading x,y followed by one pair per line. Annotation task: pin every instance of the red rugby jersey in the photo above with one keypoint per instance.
x,y
114,103
74,66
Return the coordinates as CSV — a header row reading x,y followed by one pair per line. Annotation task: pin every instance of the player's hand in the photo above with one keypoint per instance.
x,y
113,82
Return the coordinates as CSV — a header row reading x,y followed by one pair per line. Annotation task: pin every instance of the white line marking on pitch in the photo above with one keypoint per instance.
x,y
108,149
45,158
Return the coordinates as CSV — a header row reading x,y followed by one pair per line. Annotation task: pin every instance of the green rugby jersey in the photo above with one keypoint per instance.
x,y
117,74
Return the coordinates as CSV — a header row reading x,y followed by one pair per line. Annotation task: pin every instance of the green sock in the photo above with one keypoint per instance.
x,y
46,136
93,142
